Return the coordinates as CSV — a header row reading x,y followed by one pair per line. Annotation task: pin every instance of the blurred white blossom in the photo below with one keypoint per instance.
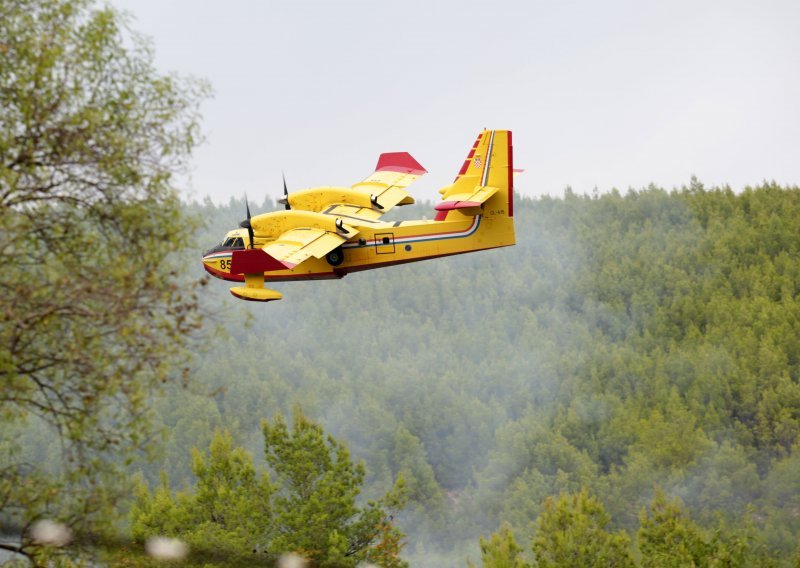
x,y
163,548
292,561
50,533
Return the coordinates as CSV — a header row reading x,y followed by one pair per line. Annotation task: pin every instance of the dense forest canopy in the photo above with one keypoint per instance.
x,y
626,343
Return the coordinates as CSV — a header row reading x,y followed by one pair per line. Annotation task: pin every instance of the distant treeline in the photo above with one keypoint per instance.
x,y
629,344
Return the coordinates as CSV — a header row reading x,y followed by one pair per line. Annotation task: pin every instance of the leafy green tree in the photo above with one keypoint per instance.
x,y
229,512
315,503
571,531
668,537
309,508
408,457
782,503
501,550
93,316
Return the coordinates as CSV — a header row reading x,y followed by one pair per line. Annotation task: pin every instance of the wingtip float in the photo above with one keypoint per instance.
x,y
328,232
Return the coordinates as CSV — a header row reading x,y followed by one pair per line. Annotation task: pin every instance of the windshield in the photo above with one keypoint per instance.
x,y
232,243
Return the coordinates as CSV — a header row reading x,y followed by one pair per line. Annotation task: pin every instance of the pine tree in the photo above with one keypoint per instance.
x,y
668,537
315,504
501,550
571,531
229,512
309,508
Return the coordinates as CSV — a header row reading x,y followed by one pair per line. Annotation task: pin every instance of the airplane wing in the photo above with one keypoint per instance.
x,y
395,171
367,200
296,245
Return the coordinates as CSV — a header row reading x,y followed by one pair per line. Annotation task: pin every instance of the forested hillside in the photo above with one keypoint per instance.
x,y
626,343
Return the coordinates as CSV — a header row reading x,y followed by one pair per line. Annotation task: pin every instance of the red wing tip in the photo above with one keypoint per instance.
x,y
450,205
399,162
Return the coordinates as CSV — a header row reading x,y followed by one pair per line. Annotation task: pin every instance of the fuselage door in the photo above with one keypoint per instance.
x,y
384,243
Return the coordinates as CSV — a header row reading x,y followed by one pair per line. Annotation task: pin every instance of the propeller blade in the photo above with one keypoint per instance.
x,y
246,223
285,193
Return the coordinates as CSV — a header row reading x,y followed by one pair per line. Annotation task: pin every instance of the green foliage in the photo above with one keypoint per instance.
x,y
316,503
782,504
501,550
310,509
93,319
571,532
409,460
229,511
668,537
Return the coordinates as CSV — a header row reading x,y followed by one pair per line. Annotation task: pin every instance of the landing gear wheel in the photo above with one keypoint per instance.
x,y
335,257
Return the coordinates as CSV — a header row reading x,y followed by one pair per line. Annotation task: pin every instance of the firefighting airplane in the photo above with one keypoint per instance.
x,y
327,232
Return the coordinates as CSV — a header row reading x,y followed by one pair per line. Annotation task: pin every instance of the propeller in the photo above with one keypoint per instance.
x,y
285,198
246,223
285,193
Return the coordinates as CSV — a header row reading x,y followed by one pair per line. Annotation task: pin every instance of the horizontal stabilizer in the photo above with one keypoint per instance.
x,y
450,205
465,199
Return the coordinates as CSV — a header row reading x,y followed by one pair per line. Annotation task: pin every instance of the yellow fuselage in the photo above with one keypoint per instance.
x,y
381,243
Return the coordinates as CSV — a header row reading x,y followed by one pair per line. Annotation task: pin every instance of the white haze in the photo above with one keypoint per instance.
x,y
599,95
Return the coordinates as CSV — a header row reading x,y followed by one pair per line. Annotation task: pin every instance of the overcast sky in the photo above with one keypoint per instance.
x,y
598,94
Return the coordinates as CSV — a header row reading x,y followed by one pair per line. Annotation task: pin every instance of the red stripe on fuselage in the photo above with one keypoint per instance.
x,y
510,176
340,272
228,277
361,268
474,220
223,275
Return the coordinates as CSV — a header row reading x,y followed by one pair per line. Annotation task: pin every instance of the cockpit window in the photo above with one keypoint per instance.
x,y
229,243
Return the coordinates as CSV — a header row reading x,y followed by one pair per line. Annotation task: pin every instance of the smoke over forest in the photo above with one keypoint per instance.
x,y
627,342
